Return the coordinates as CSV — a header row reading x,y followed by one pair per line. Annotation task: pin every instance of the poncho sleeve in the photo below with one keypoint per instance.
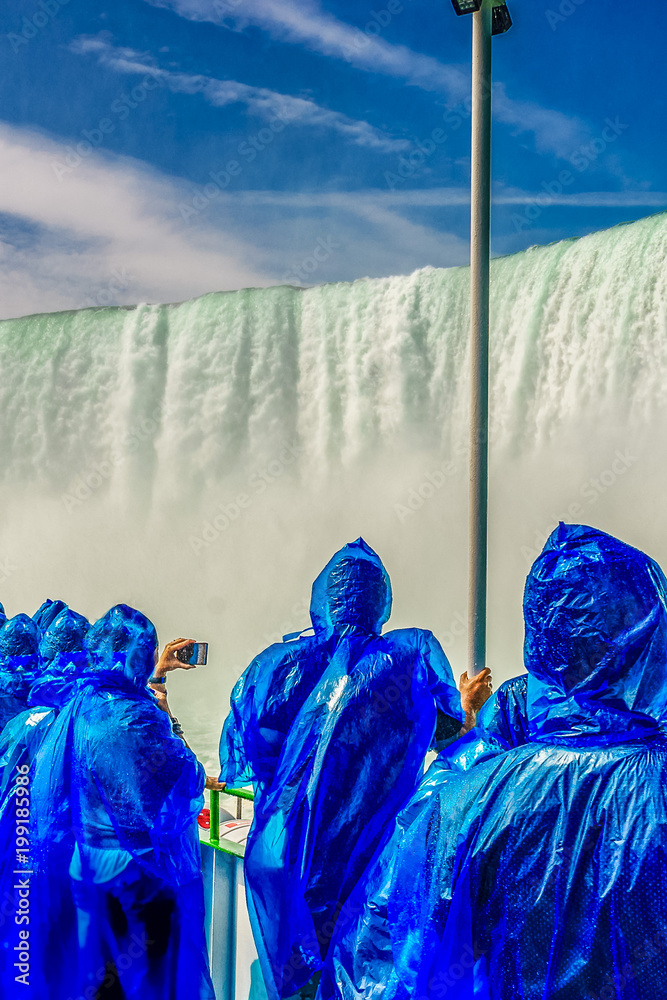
x,y
444,691
235,768
503,718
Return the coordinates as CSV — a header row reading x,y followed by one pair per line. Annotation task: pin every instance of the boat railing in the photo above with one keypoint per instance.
x,y
241,795
234,964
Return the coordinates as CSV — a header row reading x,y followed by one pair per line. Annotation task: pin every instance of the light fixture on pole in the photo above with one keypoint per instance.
x,y
501,20
466,6
490,17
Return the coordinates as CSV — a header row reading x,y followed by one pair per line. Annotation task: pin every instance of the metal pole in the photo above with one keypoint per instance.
x,y
479,333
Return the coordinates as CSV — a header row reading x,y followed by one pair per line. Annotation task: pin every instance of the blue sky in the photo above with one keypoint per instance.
x,y
159,149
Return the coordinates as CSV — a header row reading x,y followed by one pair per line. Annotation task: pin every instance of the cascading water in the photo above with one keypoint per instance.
x,y
202,461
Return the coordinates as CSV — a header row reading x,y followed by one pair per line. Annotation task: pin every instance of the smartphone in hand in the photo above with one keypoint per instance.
x,y
195,653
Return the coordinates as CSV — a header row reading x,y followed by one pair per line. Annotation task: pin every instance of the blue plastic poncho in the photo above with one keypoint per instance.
x,y
543,872
340,772
47,612
118,795
65,634
270,693
19,644
61,661
504,716
360,960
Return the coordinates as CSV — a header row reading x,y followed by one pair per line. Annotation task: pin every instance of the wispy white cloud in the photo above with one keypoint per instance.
x,y
267,104
450,197
304,22
587,199
554,131
109,233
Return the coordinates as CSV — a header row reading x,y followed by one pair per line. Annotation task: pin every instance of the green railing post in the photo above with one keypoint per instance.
x,y
228,846
215,818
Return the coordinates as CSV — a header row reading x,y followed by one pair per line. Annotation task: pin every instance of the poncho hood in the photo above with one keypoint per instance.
x,y
65,634
595,639
47,612
352,589
19,644
62,659
122,642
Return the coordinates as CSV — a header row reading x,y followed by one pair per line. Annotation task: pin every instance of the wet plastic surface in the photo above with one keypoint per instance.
x,y
19,642
112,778
346,717
543,872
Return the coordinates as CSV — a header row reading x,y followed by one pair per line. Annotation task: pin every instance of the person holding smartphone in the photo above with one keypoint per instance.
x,y
172,658
115,784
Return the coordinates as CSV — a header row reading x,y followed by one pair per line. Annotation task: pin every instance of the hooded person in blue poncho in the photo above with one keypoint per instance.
x,y
117,792
61,661
19,656
541,874
332,729
271,692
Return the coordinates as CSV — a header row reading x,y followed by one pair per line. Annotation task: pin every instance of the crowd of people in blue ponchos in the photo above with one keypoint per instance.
x,y
527,862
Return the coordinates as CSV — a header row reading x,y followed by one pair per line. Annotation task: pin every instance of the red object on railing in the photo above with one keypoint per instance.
x,y
204,819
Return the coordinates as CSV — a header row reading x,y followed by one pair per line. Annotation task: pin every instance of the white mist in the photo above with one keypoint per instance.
x,y
203,461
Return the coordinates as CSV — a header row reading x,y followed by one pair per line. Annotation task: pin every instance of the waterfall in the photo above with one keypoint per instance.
x,y
202,461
